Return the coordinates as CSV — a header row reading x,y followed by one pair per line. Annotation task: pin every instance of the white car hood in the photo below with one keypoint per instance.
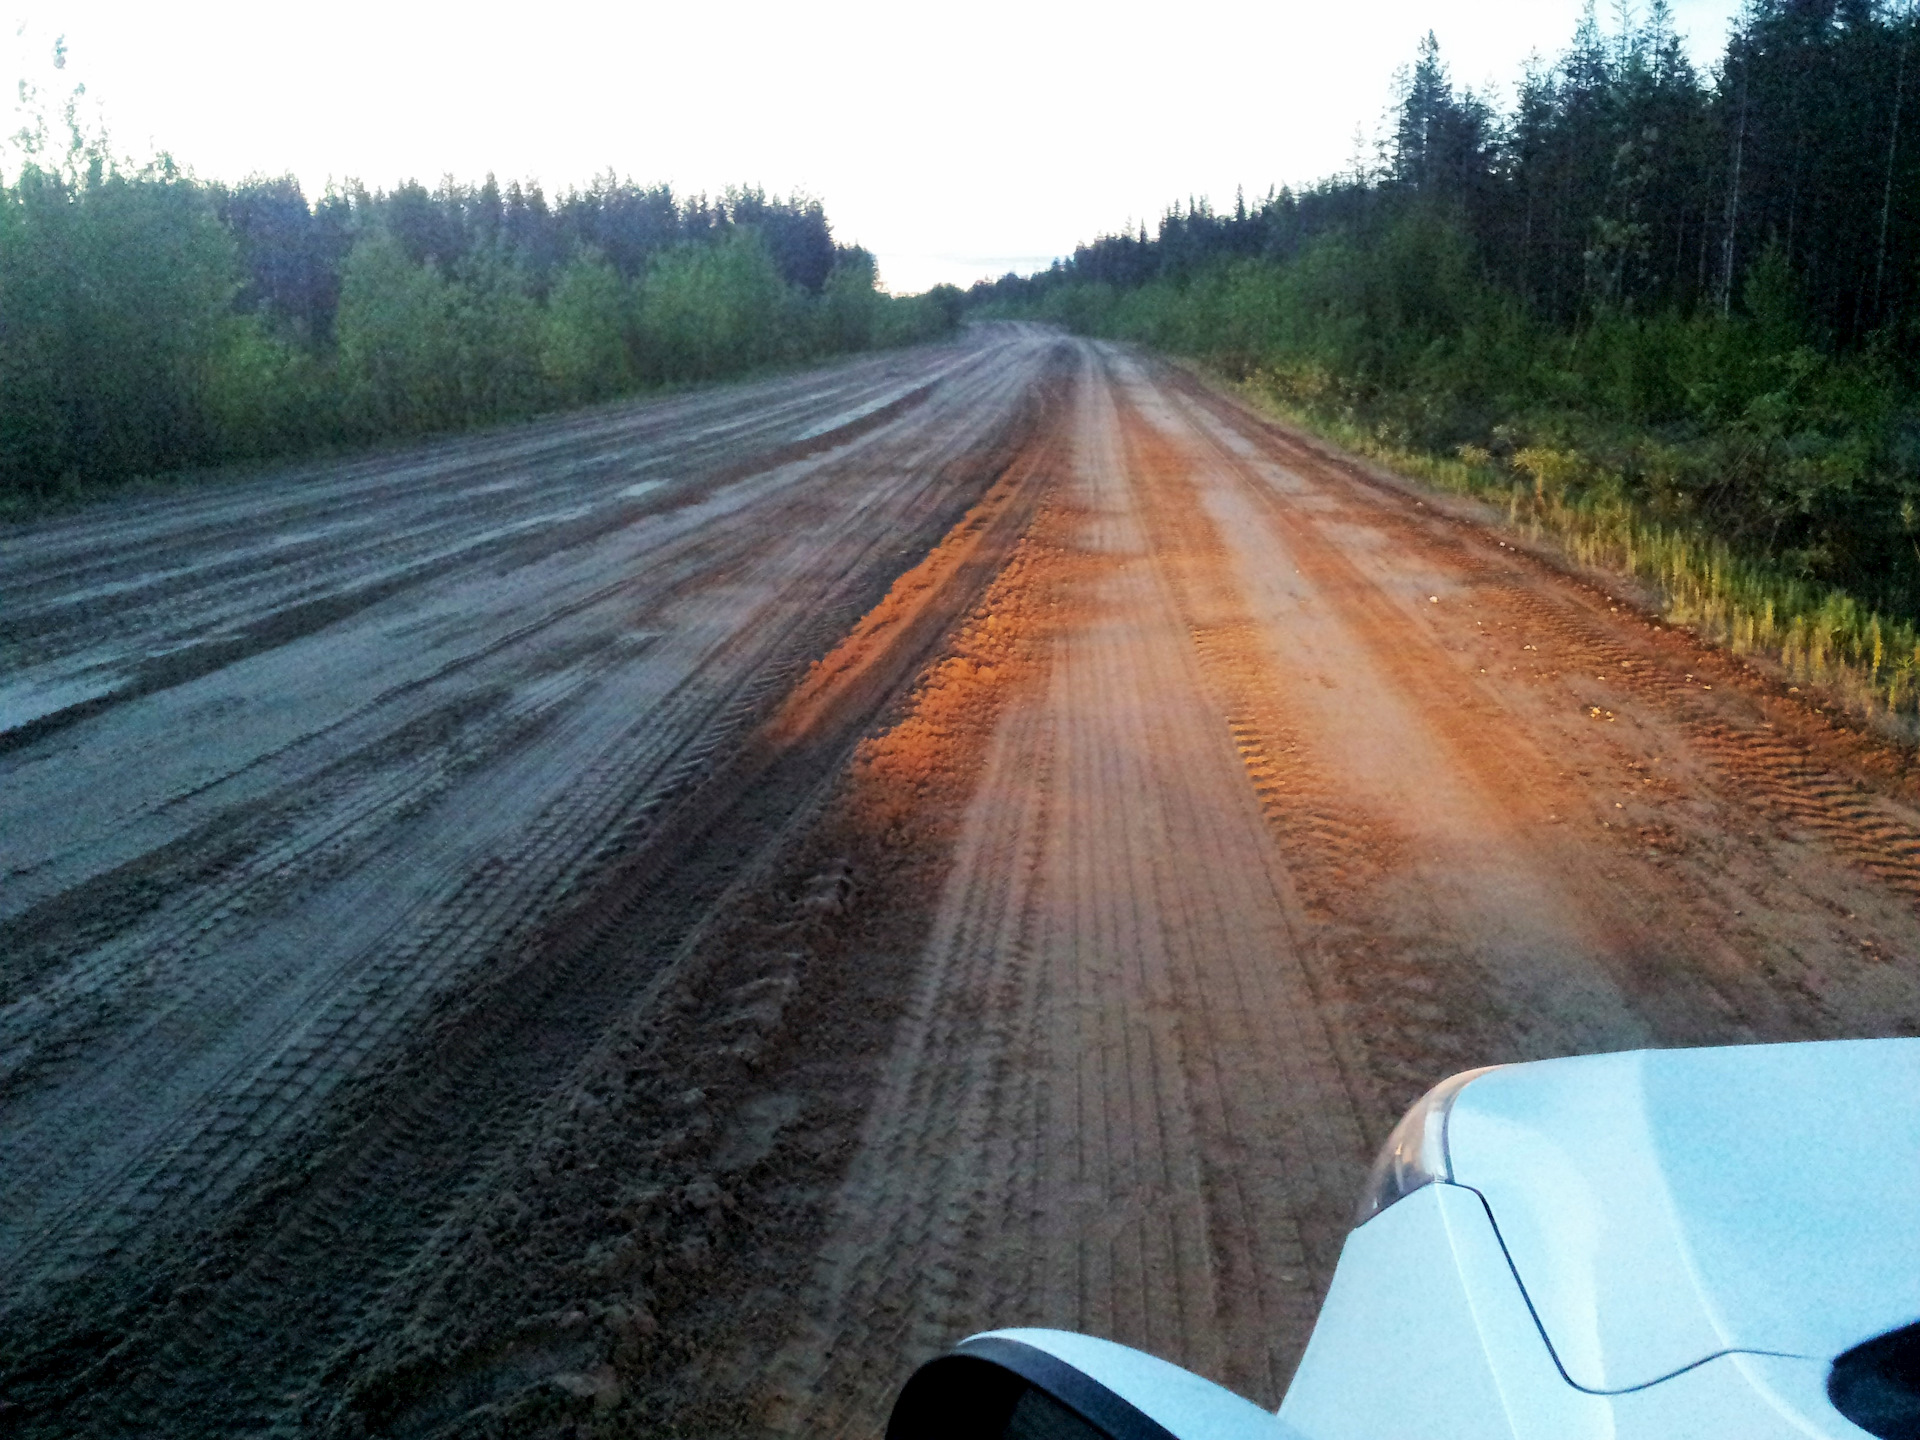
x,y
1666,1206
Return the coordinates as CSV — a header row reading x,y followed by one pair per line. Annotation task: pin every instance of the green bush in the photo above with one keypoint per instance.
x,y
149,322
707,311
399,351
117,302
591,336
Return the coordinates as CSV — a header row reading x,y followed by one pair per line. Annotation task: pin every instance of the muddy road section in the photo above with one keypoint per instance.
x,y
1324,791
307,777
1041,925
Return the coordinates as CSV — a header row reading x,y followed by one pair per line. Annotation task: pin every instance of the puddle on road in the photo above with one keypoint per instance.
x,y
644,487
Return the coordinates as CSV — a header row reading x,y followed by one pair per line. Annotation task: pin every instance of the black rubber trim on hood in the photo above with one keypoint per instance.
x,y
1877,1385
997,1372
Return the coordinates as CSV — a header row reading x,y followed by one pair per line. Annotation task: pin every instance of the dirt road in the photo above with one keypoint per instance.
x,y
658,922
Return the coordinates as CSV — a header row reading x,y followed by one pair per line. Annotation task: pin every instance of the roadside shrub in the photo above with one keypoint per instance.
x,y
153,322
400,355
589,343
711,311
115,303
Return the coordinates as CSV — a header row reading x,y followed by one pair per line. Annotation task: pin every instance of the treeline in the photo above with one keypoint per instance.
x,y
1622,178
150,321
1675,314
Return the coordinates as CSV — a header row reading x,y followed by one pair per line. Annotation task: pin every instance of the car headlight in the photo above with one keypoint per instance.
x,y
1416,1152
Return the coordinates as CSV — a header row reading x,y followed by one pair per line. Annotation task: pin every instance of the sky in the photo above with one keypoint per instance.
x,y
955,141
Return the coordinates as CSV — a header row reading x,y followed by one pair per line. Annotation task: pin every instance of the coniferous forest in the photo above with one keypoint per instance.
x,y
1671,316
151,321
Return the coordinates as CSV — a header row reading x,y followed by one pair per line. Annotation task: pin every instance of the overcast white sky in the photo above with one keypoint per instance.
x,y
953,141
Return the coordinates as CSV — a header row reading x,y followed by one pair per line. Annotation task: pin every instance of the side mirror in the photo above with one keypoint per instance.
x,y
1055,1385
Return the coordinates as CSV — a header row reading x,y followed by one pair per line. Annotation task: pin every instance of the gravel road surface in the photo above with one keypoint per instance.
x,y
659,920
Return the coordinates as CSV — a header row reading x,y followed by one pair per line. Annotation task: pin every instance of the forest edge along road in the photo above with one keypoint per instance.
x,y
665,919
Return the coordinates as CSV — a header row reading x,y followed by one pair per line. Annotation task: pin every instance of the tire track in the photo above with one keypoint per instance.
x,y
220,601
1112,1105
1095,1115
1765,770
1759,766
652,819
